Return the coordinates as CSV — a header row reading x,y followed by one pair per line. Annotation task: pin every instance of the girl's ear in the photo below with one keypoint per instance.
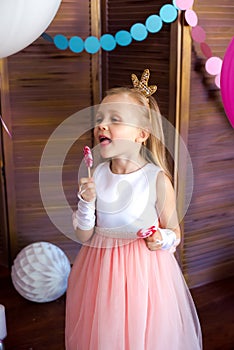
x,y
142,136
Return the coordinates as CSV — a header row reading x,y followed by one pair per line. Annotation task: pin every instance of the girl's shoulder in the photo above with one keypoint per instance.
x,y
153,169
158,175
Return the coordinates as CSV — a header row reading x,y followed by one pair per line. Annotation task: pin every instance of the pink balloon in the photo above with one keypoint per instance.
x,y
227,82
198,34
214,65
191,18
184,4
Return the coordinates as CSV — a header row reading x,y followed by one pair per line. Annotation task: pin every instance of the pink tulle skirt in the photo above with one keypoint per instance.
x,y
122,296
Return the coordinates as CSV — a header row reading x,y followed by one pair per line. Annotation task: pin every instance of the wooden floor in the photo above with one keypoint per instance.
x,y
33,326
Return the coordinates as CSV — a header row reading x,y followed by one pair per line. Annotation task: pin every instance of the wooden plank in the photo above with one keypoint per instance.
x,y
209,223
10,215
46,87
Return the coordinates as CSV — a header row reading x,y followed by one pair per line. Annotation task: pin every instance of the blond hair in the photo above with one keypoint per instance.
x,y
154,150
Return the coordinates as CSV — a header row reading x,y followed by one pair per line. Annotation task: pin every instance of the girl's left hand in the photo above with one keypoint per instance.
x,y
152,242
87,189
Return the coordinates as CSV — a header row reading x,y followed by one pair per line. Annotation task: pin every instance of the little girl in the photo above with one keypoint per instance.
x,y
126,292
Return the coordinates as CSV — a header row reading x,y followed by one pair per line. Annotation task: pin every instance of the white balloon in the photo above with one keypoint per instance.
x,y
23,21
40,272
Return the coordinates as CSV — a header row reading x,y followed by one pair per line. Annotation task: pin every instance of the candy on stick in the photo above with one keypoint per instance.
x,y
144,233
88,158
147,232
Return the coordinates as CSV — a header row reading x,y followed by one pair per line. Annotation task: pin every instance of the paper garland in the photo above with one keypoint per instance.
x,y
153,24
139,32
223,70
213,64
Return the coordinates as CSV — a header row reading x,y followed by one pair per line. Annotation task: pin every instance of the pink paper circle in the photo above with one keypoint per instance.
x,y
191,18
217,80
184,4
213,65
206,50
227,82
198,34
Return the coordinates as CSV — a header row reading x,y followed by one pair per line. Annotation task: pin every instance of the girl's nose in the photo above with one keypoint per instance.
x,y
103,126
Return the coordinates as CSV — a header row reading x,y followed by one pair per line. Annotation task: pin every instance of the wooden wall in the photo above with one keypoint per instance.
x,y
152,53
3,217
42,87
209,223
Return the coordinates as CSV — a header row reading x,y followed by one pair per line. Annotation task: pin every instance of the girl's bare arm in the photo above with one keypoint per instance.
x,y
166,208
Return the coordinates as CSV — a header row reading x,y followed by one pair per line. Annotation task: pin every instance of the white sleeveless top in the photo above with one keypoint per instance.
x,y
126,202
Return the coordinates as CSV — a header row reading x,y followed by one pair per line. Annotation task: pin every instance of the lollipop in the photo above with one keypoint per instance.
x,y
88,158
147,232
144,233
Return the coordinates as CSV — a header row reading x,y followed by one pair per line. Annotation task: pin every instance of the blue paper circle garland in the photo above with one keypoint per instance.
x,y
123,38
168,13
92,44
154,23
76,44
138,32
107,42
61,42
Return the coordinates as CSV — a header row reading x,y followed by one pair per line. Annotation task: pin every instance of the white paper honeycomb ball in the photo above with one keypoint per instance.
x,y
40,272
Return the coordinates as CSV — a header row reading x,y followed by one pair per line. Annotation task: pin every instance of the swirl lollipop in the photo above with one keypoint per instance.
x,y
147,232
88,158
144,233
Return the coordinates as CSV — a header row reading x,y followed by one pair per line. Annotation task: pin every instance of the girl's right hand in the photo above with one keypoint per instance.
x,y
87,189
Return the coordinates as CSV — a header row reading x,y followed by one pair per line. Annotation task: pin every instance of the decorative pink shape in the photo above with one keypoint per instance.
x,y
191,18
217,80
198,34
213,65
227,82
184,4
206,50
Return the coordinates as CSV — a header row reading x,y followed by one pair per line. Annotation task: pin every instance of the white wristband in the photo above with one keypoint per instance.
x,y
84,217
168,238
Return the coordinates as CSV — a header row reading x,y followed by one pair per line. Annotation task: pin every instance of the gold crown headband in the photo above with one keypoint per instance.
x,y
142,85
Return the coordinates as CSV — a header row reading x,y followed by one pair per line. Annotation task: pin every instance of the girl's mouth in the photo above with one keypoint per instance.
x,y
104,140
